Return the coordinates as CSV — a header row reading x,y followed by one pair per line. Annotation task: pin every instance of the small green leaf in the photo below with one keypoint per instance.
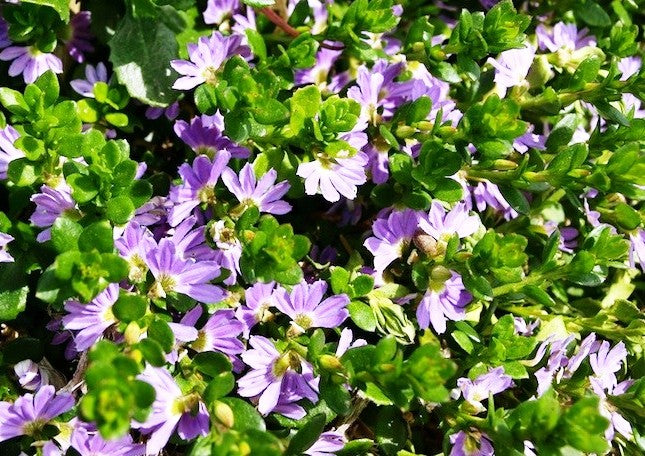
x,y
119,210
159,331
130,307
306,436
362,315
97,236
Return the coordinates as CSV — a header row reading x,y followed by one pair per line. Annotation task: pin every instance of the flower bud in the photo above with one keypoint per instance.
x,y
132,333
224,414
502,164
540,72
330,363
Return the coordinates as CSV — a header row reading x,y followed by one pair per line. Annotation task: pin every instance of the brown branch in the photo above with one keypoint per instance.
x,y
279,21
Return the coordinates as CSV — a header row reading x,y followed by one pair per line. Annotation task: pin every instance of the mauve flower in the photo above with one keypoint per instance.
x,y
197,187
8,152
307,309
171,112
333,177
493,382
90,443
133,245
605,363
471,444
345,342
171,410
629,66
444,300
563,36
30,375
264,194
92,319
319,73
328,443
616,421
442,225
153,212
392,236
529,140
511,68
217,11
637,249
229,249
220,333
51,203
189,238
206,58
204,136
486,194
258,299
277,380
568,236
437,90
4,34
244,21
522,328
174,274
30,413
79,44
5,256
30,62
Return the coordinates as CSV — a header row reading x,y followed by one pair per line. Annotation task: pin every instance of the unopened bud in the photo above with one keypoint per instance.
x,y
540,72
330,363
132,333
426,243
405,131
224,414
502,164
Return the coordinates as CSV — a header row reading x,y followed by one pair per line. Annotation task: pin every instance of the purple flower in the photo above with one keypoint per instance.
x,y
529,140
392,236
259,298
306,310
277,380
511,68
444,300
92,319
493,382
51,203
171,410
605,363
29,414
30,62
319,73
5,256
487,194
333,177
206,58
563,36
442,226
204,136
8,152
4,34
80,42
171,112
217,11
88,442
30,375
327,444
229,249
637,249
522,328
471,444
345,342
437,90
568,236
264,194
616,421
197,187
219,333
629,66
174,274
134,245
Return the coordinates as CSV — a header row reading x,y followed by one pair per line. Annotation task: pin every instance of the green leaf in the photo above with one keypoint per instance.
x,y
593,14
562,132
65,233
160,331
152,352
22,172
12,302
48,84
130,307
219,387
246,416
97,236
141,51
13,101
212,363
119,210
259,3
626,216
306,436
515,198
339,279
362,315
84,188
60,6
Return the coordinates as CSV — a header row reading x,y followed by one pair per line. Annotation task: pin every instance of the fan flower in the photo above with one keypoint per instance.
x,y
217,11
174,274
487,194
206,58
88,442
264,194
51,203
30,375
30,62
85,87
277,380
8,152
511,68
30,413
333,177
134,245
92,319
392,236
79,44
446,299
563,36
197,187
472,443
5,256
220,333
204,136
493,382
171,410
328,443
306,310
259,298
442,225
319,73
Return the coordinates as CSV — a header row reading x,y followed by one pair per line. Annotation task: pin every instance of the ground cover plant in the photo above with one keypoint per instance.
x,y
247,227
